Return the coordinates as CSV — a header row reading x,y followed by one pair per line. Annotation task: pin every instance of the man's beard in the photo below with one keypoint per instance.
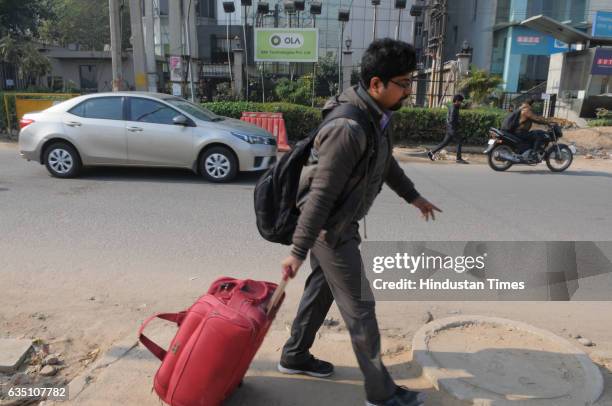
x,y
398,105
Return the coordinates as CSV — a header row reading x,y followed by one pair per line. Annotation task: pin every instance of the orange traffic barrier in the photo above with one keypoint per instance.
x,y
272,122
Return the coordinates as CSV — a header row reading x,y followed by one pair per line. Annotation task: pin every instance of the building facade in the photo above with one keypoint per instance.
x,y
212,25
499,44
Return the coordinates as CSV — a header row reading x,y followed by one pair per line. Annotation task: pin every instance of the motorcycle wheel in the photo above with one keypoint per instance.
x,y
559,162
495,163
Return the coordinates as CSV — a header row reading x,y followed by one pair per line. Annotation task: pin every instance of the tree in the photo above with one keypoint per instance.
x,y
83,22
298,92
22,17
480,84
33,64
30,63
326,82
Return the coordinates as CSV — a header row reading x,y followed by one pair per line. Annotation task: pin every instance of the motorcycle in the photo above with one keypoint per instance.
x,y
506,149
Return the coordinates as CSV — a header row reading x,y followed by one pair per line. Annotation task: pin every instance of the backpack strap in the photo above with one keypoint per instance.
x,y
351,112
354,113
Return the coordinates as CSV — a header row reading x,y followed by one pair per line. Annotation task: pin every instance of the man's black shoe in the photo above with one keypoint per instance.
x,y
402,397
431,155
312,367
462,161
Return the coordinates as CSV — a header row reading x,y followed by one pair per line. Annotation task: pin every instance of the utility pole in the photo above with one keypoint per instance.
x,y
115,34
444,12
138,53
190,52
149,41
246,46
175,17
436,48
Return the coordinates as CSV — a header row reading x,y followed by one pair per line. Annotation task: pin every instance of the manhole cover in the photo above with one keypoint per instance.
x,y
493,361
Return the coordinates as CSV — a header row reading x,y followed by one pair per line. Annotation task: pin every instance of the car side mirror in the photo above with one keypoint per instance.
x,y
181,120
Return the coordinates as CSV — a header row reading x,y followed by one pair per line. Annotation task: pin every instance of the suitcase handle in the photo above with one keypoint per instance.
x,y
279,291
155,349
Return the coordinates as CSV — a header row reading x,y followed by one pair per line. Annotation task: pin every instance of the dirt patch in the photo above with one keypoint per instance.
x,y
590,139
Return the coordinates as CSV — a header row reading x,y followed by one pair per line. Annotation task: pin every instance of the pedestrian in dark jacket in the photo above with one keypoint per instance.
x,y
335,167
452,131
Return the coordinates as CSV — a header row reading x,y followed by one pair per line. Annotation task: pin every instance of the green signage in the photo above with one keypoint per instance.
x,y
286,44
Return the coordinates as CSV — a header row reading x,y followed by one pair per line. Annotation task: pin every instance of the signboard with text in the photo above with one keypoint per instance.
x,y
602,62
526,41
286,44
602,24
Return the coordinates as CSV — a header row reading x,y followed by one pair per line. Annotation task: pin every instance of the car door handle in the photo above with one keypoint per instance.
x,y
134,129
73,124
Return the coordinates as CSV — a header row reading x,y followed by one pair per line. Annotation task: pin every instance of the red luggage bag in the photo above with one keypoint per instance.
x,y
216,341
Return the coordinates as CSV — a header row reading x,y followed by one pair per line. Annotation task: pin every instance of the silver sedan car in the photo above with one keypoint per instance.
x,y
142,129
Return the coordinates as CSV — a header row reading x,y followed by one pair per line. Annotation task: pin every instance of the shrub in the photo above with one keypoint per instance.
x,y
600,122
421,125
410,125
299,120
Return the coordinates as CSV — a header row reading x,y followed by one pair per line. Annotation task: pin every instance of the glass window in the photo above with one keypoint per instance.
x,y
109,108
418,29
206,8
198,112
150,111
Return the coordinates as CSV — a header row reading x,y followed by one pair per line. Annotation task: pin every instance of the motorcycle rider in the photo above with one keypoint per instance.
x,y
528,117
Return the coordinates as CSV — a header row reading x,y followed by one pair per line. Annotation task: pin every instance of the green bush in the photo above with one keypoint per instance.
x,y
600,122
410,125
299,120
421,125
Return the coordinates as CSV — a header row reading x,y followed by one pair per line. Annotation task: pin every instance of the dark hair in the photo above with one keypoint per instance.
x,y
387,58
529,101
457,98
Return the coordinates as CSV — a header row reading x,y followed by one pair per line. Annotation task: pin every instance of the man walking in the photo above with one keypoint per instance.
x,y
452,131
348,166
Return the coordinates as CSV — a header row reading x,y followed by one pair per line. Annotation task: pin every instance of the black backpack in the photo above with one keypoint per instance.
x,y
511,121
276,192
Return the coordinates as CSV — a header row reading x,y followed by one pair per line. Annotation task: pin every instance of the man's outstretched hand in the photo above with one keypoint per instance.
x,y
427,209
290,265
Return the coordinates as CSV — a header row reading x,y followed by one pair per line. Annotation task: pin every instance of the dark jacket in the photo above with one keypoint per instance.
x,y
452,119
334,189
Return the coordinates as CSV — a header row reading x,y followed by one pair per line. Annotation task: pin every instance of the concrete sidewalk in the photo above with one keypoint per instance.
x,y
124,375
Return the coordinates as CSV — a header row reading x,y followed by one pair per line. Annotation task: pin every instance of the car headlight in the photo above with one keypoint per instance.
x,y
252,139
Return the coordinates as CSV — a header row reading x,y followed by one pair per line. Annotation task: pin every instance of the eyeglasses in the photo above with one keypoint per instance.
x,y
406,85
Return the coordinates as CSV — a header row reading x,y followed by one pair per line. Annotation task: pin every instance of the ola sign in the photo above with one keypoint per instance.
x,y
287,40
286,45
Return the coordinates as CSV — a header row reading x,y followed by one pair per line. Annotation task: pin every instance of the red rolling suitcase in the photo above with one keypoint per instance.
x,y
216,341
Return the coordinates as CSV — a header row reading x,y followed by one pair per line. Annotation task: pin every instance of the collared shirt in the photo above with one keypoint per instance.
x,y
384,116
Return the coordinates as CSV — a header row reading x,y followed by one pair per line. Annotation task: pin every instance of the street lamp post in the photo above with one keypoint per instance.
x,y
375,3
229,8
289,7
399,5
245,4
343,17
263,8
315,10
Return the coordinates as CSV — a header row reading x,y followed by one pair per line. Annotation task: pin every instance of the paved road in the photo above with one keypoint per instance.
x,y
170,219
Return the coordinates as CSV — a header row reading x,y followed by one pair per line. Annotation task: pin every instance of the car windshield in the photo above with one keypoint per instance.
x,y
198,112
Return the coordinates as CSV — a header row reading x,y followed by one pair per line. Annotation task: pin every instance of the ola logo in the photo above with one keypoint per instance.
x,y
275,40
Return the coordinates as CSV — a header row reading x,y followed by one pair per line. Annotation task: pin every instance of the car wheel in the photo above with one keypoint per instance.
x,y
62,160
218,164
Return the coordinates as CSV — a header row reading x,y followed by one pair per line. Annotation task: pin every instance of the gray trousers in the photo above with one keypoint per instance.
x,y
337,274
